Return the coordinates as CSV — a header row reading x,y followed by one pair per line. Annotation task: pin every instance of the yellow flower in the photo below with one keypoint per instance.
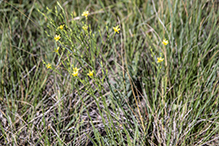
x,y
165,42
160,59
85,27
61,27
85,14
91,73
75,74
49,66
116,29
57,50
75,71
57,37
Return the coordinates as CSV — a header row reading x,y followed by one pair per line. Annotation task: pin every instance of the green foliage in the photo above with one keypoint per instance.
x,y
141,92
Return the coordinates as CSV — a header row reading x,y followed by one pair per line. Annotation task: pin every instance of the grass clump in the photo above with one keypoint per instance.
x,y
109,73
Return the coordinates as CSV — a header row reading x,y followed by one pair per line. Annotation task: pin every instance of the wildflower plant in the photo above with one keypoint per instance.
x,y
78,48
78,53
76,45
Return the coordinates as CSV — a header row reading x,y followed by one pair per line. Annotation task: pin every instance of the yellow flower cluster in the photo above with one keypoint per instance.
x,y
160,59
85,27
75,72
